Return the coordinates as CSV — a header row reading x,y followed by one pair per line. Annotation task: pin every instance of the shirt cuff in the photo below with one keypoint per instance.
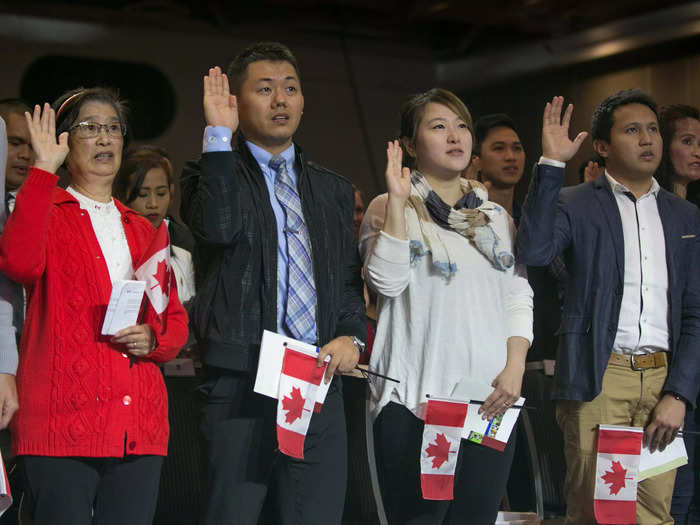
x,y
552,162
216,138
391,249
520,325
8,344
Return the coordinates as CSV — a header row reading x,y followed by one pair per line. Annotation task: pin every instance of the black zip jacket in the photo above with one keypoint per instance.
x,y
226,205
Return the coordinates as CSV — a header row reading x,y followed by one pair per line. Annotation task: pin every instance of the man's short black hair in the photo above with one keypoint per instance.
x,y
603,120
272,51
13,105
488,122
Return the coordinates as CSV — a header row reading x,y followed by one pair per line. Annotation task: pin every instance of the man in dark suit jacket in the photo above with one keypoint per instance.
x,y
629,349
250,262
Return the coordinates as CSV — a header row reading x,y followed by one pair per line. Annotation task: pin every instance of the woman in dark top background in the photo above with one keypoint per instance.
x,y
679,172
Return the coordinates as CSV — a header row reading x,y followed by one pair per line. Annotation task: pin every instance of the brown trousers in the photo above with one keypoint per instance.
x,y
627,398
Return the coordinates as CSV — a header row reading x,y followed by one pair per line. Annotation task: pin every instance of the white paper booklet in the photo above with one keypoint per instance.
x,y
124,306
658,462
493,433
272,349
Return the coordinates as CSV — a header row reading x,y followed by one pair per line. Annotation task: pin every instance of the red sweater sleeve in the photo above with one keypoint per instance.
x,y
171,328
24,239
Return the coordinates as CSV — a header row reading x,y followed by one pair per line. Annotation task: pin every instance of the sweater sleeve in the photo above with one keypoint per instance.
x,y
519,302
24,239
386,258
519,306
170,328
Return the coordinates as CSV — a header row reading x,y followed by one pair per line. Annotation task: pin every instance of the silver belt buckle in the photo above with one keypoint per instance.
x,y
634,367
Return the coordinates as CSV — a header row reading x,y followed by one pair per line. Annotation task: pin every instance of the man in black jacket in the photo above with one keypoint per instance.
x,y
256,270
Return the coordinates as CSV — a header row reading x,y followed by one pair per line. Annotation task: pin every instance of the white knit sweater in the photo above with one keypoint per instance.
x,y
433,332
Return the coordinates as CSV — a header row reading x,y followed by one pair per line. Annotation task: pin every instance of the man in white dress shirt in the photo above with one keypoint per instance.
x,y
630,331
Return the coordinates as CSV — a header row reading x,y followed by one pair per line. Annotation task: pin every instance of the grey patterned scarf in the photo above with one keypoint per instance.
x,y
470,217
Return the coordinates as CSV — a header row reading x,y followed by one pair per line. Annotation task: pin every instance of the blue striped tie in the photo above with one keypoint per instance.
x,y
300,313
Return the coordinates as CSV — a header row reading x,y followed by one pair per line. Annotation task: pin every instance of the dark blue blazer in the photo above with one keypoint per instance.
x,y
583,223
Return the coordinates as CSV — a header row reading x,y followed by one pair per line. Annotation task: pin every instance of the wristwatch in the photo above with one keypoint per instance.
x,y
359,344
676,396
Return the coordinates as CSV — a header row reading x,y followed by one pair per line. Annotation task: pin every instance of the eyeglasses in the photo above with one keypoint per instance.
x,y
89,129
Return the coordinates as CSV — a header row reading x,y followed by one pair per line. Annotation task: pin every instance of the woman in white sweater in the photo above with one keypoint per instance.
x,y
453,309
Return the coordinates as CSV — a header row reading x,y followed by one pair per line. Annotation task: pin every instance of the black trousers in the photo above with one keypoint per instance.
x,y
480,476
98,491
246,479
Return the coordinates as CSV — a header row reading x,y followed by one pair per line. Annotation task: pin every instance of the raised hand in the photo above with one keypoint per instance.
x,y
592,171
556,144
398,179
220,107
50,154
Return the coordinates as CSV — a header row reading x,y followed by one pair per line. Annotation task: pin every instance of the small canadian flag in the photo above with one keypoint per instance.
x,y
299,382
442,436
619,449
155,269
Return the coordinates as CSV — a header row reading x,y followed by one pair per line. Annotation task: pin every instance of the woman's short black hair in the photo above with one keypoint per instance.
x,y
412,114
68,106
136,163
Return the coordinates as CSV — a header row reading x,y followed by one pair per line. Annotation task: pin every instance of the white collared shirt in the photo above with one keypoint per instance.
x,y
644,315
109,230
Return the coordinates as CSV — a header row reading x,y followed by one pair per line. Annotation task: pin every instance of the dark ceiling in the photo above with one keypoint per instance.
x,y
443,29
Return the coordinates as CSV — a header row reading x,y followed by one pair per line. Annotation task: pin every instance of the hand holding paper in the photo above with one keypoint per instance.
x,y
124,306
494,432
139,339
666,419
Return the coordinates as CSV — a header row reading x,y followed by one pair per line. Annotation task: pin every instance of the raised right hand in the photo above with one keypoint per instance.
x,y
398,179
220,106
42,130
556,144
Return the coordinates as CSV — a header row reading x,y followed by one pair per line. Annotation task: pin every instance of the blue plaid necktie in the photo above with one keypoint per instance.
x,y
300,315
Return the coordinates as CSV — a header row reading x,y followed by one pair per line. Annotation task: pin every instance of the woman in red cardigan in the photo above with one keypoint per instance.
x,y
92,425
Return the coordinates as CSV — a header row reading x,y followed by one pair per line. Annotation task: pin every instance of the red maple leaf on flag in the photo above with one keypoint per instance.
x,y
162,276
616,477
438,450
294,404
